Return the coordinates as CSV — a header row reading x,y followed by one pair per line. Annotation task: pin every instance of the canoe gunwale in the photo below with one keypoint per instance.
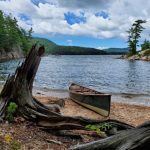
x,y
82,92
92,94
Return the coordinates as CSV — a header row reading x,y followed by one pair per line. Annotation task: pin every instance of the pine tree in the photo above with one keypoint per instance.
x,y
11,35
134,33
145,45
2,31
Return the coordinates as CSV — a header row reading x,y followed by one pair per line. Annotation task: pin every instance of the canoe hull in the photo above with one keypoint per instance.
x,y
99,103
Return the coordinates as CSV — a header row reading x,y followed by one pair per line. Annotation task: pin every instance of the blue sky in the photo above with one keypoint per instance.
x,y
88,23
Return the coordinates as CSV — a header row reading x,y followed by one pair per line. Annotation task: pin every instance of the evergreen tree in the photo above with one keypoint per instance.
x,y
2,31
134,33
145,45
30,33
11,35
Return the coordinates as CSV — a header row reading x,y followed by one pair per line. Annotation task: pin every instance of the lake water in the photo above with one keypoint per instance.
x,y
130,79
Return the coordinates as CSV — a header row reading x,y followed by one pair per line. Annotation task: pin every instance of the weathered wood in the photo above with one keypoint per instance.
x,y
18,88
133,139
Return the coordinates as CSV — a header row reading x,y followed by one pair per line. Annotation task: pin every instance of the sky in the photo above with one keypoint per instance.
x,y
89,23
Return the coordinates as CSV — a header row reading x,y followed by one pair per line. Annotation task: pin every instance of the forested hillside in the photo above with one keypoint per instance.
x,y
49,45
117,50
12,37
52,48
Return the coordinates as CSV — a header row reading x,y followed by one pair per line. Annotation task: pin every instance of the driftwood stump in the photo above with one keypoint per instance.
x,y
18,89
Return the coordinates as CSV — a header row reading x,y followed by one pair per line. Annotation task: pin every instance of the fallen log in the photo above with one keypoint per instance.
x,y
132,139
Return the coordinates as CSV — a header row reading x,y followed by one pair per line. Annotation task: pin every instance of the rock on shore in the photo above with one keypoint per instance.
x,y
15,53
142,55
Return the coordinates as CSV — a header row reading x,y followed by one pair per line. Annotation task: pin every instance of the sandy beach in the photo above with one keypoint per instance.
x,y
131,114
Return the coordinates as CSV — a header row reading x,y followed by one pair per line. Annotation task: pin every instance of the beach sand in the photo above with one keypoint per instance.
x,y
131,114
127,112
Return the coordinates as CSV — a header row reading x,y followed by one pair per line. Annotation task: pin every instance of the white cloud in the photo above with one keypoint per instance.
x,y
102,47
48,18
47,11
69,42
19,6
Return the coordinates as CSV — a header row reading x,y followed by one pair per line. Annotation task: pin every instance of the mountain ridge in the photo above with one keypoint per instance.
x,y
55,49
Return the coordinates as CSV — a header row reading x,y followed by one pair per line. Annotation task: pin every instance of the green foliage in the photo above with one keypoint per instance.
x,y
11,109
11,34
145,45
100,128
146,52
15,145
75,50
2,30
134,33
105,127
129,54
49,45
116,50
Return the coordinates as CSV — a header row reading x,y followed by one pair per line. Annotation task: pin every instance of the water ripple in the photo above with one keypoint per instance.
x,y
104,73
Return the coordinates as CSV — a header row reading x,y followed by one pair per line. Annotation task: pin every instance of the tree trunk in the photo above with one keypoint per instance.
x,y
18,89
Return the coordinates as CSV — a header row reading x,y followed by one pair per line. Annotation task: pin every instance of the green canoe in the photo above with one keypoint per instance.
x,y
96,101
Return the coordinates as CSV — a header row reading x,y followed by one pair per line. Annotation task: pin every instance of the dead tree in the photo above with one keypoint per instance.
x,y
18,89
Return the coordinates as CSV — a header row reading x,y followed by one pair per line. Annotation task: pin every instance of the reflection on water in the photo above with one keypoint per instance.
x,y
104,73
132,75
